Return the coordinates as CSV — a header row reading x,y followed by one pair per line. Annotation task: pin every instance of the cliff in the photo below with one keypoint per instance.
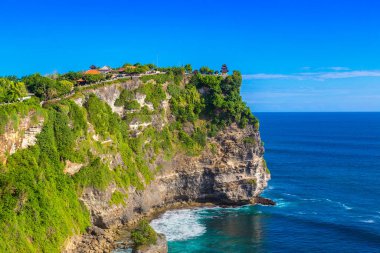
x,y
232,173
129,149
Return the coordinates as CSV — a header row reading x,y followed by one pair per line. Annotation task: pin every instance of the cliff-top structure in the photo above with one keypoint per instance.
x,y
91,154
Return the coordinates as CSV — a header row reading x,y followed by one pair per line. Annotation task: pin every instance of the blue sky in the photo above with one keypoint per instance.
x,y
296,55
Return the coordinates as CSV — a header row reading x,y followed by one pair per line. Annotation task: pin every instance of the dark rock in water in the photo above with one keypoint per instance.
x,y
264,201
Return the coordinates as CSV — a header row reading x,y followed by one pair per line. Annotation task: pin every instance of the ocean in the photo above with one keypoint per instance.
x,y
325,179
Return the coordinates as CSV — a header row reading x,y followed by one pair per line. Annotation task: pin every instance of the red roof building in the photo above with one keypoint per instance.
x,y
92,72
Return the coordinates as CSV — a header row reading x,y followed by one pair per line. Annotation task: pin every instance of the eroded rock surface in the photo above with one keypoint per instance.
x,y
20,137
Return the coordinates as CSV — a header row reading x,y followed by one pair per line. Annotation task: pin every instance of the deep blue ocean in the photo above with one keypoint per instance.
x,y
325,179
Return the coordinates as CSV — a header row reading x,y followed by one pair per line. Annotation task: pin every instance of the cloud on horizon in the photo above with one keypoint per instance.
x,y
318,76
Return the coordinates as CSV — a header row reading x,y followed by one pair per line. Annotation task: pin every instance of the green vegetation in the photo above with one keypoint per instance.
x,y
39,207
214,98
154,93
125,96
132,105
117,198
96,175
136,68
266,167
186,104
93,78
159,78
206,70
71,76
11,90
143,235
46,87
11,114
39,204
223,103
249,140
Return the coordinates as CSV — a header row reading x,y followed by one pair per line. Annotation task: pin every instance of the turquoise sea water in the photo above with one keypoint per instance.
x,y
325,179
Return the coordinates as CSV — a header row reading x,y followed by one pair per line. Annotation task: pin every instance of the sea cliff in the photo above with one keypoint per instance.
x,y
127,150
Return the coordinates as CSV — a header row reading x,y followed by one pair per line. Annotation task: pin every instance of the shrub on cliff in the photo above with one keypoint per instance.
x,y
223,103
143,234
46,87
11,91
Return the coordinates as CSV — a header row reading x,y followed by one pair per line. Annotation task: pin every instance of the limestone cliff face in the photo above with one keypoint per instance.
x,y
21,136
232,172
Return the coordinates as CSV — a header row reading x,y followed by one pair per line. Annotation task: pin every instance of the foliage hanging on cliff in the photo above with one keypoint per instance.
x,y
143,234
39,207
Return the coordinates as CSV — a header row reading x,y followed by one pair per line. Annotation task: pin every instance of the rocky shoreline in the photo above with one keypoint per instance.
x,y
98,240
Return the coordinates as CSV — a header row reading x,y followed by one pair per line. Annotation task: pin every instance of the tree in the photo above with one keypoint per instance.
x,y
206,70
11,91
188,68
127,65
93,67
71,76
139,69
151,66
64,86
13,78
38,84
93,78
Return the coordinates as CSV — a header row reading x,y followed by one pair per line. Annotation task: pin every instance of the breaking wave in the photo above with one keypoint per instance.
x,y
179,225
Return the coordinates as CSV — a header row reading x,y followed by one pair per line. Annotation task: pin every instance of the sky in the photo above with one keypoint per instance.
x,y
303,55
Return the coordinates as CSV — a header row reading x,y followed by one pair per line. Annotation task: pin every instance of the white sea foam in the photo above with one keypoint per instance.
x,y
346,207
291,195
281,203
368,221
312,200
179,225
340,204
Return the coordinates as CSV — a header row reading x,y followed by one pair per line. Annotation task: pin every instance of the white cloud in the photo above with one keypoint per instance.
x,y
334,68
321,76
339,68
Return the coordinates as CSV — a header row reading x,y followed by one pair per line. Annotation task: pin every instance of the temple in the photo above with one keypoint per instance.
x,y
224,69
